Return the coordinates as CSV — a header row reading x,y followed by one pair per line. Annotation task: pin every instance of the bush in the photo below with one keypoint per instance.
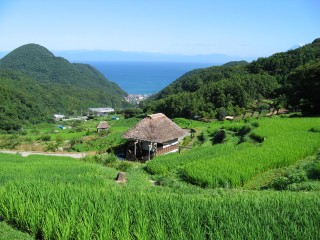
x,y
123,166
202,137
244,130
221,113
186,140
314,170
219,136
257,137
44,138
106,159
23,132
297,176
255,124
10,142
35,131
315,129
280,183
51,147
304,186
75,141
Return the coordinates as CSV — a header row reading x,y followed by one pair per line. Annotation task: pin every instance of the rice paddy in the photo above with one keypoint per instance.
x,y
232,164
53,198
64,198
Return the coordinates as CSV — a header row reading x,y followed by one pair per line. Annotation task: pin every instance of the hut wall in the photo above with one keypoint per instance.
x,y
169,149
170,143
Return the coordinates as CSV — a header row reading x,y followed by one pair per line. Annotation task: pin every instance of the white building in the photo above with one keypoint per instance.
x,y
101,111
58,117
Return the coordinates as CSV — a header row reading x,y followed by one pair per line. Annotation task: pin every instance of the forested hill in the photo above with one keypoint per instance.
x,y
287,79
39,63
35,84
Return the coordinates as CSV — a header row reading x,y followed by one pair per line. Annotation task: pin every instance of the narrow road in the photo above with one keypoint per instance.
x,y
26,154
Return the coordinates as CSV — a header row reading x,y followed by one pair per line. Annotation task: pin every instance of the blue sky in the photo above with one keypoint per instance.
x,y
245,28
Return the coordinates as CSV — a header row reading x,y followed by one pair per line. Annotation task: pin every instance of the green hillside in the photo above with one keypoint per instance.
x,y
236,87
35,84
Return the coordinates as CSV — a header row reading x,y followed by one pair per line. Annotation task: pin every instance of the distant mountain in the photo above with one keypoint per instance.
x,y
294,47
87,56
235,63
44,84
286,79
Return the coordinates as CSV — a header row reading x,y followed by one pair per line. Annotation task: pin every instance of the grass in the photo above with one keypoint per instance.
x,y
8,232
62,198
231,164
44,137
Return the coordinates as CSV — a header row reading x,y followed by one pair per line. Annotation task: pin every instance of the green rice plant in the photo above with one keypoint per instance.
x,y
62,198
286,141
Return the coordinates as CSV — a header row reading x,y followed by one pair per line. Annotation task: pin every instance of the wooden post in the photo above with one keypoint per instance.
x,y
155,145
135,149
150,147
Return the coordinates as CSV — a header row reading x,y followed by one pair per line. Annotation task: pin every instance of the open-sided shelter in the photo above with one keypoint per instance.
x,y
154,135
103,126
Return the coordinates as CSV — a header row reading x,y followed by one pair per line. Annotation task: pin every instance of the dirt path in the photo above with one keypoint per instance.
x,y
26,154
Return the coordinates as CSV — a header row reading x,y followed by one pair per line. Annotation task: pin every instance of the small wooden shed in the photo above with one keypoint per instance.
x,y
103,126
154,135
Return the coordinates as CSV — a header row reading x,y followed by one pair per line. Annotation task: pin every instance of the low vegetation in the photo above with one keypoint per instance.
x,y
78,136
251,149
55,198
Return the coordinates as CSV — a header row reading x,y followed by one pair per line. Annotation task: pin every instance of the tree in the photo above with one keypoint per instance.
x,y
221,113
306,88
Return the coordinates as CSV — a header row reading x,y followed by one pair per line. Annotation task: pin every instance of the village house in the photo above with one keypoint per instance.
x,y
58,117
103,126
154,135
100,111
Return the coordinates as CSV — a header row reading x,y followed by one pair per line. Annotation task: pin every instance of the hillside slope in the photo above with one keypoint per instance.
x,y
35,84
236,87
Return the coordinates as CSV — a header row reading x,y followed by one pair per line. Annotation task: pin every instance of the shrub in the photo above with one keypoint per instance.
x,y
10,142
75,141
280,183
202,137
314,170
255,124
51,147
219,136
297,176
304,186
44,138
35,131
315,129
106,159
221,113
123,166
244,130
257,137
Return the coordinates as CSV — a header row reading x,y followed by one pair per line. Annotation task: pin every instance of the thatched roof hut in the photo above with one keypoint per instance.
x,y
156,128
103,126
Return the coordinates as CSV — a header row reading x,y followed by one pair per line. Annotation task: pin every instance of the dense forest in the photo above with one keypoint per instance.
x,y
35,84
290,79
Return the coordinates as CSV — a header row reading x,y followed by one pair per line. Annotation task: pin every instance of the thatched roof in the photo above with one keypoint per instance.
x,y
103,125
155,128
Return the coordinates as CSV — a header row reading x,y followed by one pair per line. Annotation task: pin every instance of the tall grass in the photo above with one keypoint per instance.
x,y
286,141
56,198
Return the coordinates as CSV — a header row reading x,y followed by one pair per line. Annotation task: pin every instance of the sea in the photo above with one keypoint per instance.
x,y
145,77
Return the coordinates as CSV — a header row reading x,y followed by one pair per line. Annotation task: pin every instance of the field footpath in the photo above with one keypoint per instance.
x,y
26,154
